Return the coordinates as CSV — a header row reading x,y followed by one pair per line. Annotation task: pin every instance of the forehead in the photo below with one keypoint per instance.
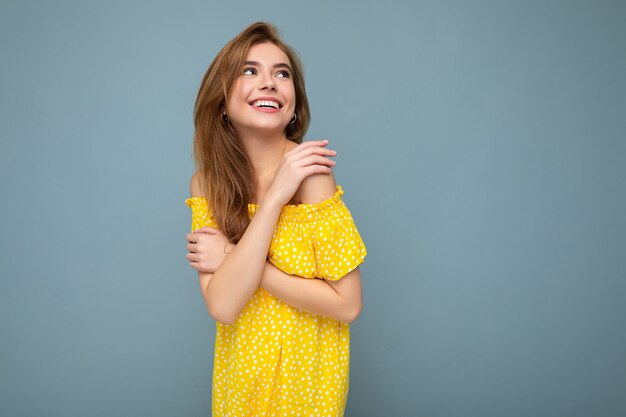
x,y
267,53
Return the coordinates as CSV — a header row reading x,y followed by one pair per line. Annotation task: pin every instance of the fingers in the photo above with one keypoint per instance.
x,y
316,159
194,236
202,243
307,144
315,169
312,161
309,148
311,155
316,151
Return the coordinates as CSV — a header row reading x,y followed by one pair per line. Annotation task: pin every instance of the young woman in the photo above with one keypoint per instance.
x,y
275,247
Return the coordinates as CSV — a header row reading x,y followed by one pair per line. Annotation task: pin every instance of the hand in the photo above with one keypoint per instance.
x,y
208,247
306,159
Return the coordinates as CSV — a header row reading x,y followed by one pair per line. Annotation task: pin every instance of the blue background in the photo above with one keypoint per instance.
x,y
482,149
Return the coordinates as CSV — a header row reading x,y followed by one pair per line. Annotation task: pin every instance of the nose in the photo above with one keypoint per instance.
x,y
266,82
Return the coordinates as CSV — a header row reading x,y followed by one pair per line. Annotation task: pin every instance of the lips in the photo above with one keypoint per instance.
x,y
267,103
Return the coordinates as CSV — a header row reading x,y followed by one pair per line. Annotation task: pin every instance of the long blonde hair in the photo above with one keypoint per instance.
x,y
226,173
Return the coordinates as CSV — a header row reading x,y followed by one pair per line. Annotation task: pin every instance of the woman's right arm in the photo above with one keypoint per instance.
x,y
234,282
229,288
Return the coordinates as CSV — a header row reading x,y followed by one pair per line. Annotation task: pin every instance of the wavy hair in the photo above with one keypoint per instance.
x,y
226,174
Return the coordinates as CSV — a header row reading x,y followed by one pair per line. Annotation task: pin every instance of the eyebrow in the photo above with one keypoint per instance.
x,y
279,65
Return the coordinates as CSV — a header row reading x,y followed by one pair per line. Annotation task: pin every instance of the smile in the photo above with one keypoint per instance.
x,y
266,104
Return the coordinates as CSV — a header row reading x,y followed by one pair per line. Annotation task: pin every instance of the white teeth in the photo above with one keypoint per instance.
x,y
265,103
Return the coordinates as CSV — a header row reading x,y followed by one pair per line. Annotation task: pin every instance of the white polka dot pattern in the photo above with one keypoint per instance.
x,y
276,360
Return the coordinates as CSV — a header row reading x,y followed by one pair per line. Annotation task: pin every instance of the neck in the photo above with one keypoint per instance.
x,y
265,151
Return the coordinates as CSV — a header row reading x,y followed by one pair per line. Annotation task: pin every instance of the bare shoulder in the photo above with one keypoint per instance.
x,y
195,188
317,188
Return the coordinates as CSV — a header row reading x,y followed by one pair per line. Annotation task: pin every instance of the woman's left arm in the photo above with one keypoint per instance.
x,y
340,300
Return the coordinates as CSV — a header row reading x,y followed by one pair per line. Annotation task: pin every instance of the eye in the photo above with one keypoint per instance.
x,y
249,71
283,74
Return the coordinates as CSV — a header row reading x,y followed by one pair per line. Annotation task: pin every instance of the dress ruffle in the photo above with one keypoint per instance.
x,y
311,240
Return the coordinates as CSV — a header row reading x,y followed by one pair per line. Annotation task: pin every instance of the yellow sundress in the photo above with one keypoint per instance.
x,y
276,360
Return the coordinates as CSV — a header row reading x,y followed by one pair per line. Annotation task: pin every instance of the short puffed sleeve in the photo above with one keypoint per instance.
x,y
317,240
200,215
337,244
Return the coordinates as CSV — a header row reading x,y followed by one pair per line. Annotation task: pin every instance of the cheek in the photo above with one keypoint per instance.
x,y
290,95
236,98
231,105
239,89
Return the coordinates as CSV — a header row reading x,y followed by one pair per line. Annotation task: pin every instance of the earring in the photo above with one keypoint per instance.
x,y
293,119
224,117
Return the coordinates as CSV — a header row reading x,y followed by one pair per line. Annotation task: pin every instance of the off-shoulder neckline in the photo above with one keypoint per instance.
x,y
291,207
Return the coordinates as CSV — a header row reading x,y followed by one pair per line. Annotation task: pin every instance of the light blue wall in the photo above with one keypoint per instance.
x,y
481,146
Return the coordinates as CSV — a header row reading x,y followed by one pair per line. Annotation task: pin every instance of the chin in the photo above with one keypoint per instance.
x,y
262,129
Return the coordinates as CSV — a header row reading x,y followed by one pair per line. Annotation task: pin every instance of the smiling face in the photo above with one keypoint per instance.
x,y
263,95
